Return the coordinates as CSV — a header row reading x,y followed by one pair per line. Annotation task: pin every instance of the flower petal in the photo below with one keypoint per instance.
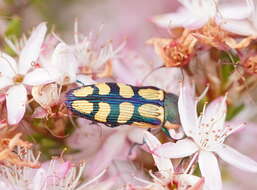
x,y
38,77
16,103
164,165
239,27
39,180
231,12
64,61
215,114
105,155
8,66
31,50
210,170
5,81
237,159
172,20
187,108
180,149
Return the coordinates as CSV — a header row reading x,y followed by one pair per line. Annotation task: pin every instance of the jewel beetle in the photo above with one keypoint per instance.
x,y
115,104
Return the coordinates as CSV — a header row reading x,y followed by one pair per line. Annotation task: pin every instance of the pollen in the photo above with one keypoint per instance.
x,y
18,79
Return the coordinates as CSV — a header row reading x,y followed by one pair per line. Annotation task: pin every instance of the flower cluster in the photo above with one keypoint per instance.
x,y
209,60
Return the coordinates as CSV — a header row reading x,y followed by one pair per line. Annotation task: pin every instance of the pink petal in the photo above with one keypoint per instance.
x,y
5,81
164,165
236,159
8,65
215,114
105,155
136,134
187,108
210,170
39,112
180,149
31,50
59,168
38,77
16,103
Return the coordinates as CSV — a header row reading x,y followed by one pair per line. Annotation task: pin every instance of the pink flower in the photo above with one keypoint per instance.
x,y
206,135
237,18
17,75
106,144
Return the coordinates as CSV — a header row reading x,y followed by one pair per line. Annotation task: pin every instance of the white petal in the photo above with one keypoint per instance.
x,y
8,66
240,27
180,149
236,159
31,50
39,180
210,170
236,11
5,81
188,179
64,61
187,108
182,18
164,165
171,20
37,77
16,103
235,126
177,134
215,114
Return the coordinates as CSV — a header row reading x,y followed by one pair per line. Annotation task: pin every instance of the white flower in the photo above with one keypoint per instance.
x,y
53,175
166,170
238,18
79,61
16,75
206,135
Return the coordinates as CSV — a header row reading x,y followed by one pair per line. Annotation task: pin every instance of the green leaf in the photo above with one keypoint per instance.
x,y
14,28
233,111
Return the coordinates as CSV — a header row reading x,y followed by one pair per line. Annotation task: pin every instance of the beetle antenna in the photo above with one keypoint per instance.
x,y
151,72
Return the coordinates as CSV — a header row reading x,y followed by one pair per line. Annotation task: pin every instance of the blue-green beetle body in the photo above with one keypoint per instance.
x,y
117,104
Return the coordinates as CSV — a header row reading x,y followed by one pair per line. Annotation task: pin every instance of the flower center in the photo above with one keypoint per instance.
x,y
210,136
18,79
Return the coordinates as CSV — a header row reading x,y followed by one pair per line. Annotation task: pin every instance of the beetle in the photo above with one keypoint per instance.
x,y
115,104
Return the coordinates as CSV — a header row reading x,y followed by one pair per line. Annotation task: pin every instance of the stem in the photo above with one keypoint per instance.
x,y
193,160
